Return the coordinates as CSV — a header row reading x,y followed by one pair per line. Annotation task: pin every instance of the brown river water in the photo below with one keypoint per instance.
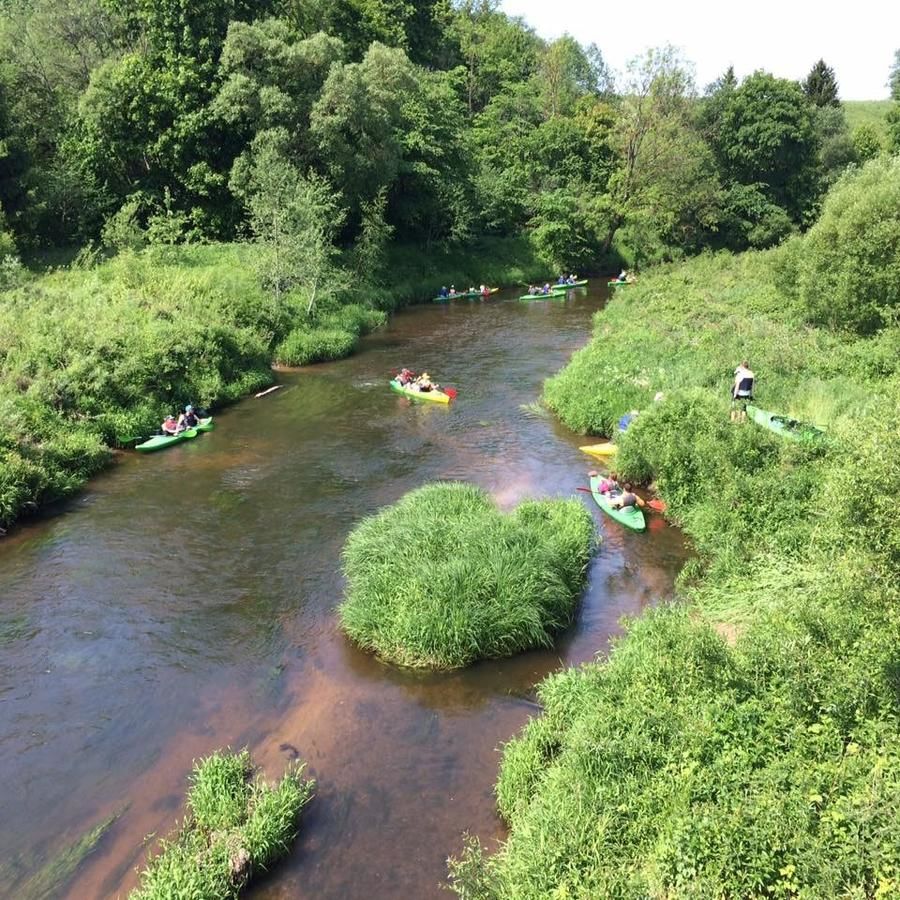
x,y
186,602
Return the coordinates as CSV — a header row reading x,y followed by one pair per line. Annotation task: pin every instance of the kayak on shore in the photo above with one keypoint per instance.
x,y
433,396
618,283
161,441
466,295
784,426
601,451
629,516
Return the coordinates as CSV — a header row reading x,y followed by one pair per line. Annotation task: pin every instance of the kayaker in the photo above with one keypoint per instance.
x,y
444,293
623,276
405,377
627,498
452,290
170,425
547,288
741,391
188,419
424,383
573,278
609,484
561,279
484,290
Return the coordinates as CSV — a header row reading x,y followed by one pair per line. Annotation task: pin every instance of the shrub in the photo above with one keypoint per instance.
x,y
442,578
301,347
849,272
235,827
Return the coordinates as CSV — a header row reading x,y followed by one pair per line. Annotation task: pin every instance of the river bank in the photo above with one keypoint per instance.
x,y
737,742
92,357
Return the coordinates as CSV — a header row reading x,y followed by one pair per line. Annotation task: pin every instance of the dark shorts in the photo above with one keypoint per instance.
x,y
741,402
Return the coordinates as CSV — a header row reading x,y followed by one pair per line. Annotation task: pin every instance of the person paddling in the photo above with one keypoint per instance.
x,y
627,498
741,391
444,294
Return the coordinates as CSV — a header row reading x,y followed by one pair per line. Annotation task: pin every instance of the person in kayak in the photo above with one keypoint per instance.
x,y
741,392
424,383
170,425
609,484
626,498
546,289
405,377
483,290
623,275
561,279
444,294
573,278
452,290
188,419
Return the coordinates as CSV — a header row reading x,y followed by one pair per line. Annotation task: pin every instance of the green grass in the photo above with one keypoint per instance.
x,y
442,578
237,826
868,112
743,741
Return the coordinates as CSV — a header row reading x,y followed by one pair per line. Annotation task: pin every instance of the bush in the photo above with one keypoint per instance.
x,y
301,347
849,270
236,827
442,578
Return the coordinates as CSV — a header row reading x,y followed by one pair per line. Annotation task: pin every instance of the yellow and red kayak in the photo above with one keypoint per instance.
x,y
431,396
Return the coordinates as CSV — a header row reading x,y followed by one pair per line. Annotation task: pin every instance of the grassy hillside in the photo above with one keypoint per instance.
x,y
867,112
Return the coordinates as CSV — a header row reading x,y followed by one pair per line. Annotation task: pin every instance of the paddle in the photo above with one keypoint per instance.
x,y
450,392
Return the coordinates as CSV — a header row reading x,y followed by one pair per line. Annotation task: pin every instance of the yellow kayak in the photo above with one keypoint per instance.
x,y
601,451
433,396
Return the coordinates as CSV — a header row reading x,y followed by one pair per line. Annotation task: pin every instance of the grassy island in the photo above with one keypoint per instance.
x,y
237,826
443,578
744,742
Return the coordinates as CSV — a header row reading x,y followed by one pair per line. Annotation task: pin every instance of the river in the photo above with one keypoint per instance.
x,y
186,601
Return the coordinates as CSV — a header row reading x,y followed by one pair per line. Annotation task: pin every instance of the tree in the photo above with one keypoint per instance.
x,y
664,182
866,141
820,85
294,219
894,77
849,269
765,135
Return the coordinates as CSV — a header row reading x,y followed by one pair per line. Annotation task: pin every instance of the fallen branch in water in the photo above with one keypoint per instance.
x,y
277,387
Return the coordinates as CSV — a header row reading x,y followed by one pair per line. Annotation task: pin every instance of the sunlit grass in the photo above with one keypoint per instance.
x,y
443,578
237,825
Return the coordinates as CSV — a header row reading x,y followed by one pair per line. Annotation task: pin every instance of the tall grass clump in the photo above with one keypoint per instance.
x,y
745,740
442,578
237,825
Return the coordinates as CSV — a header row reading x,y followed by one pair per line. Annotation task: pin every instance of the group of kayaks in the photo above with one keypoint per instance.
x,y
633,517
161,441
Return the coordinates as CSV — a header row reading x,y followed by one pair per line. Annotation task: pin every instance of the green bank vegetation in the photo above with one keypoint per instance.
x,y
236,827
442,578
744,741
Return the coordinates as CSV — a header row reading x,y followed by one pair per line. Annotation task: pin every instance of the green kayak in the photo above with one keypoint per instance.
x,y
467,295
630,516
554,293
618,283
161,441
784,426
570,284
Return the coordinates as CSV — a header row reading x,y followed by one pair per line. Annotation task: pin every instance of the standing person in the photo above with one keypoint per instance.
x,y
741,392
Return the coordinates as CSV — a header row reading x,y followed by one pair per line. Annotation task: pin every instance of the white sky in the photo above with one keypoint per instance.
x,y
856,39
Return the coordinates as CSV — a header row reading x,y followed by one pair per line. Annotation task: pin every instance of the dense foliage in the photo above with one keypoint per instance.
x,y
236,827
459,117
442,578
742,742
